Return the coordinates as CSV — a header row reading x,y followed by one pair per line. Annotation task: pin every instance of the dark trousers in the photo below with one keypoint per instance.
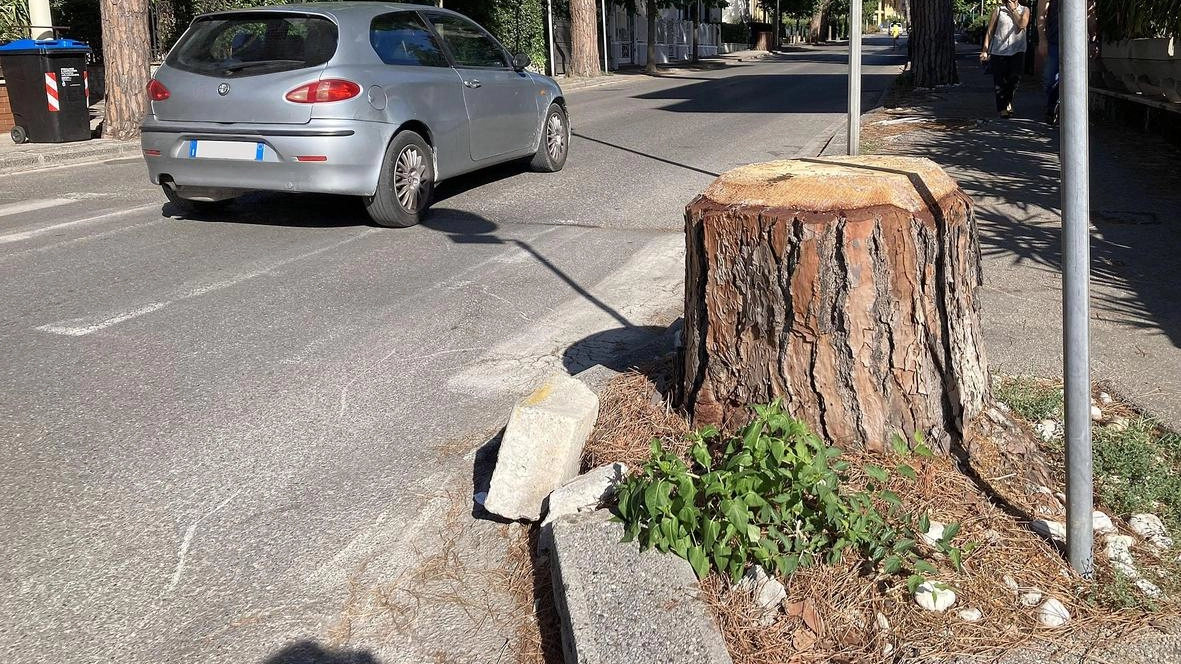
x,y
1006,75
1050,78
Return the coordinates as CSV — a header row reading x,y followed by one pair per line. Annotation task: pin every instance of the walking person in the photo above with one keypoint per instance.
x,y
1004,51
1047,46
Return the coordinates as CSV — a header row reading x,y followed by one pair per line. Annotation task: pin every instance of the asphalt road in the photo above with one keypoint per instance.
x,y
224,435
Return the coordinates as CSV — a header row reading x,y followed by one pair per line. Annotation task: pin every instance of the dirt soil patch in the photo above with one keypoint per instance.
x,y
852,613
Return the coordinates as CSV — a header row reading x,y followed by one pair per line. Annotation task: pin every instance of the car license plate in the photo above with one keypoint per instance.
x,y
240,150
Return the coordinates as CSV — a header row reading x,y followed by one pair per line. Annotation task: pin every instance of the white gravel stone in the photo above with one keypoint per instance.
x,y
1011,583
1152,529
1031,598
1105,398
1053,613
934,533
1102,523
1049,529
1149,588
1119,552
767,591
883,622
1047,429
1096,414
970,614
934,596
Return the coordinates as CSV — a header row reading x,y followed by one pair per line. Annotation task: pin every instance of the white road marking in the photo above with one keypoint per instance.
x,y
184,545
24,235
32,206
83,330
80,327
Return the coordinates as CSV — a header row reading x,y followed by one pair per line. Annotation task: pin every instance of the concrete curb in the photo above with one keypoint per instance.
x,y
43,156
621,605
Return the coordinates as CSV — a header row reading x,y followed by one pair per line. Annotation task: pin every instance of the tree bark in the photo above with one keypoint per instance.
x,y
848,288
584,36
819,22
126,57
933,40
695,28
650,62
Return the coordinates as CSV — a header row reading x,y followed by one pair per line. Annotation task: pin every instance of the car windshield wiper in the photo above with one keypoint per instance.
x,y
259,63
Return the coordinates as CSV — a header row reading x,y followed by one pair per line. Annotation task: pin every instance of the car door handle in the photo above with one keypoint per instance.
x,y
472,83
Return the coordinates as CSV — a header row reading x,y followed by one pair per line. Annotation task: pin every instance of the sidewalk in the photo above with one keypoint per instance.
x,y
35,156
1010,169
625,73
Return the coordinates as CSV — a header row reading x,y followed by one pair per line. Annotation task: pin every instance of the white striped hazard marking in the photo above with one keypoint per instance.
x,y
51,91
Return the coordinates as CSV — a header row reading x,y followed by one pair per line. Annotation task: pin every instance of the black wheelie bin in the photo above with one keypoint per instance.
x,y
48,89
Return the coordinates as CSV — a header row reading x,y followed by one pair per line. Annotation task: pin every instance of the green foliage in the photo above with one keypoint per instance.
x,y
1136,470
1032,399
14,16
1131,19
773,497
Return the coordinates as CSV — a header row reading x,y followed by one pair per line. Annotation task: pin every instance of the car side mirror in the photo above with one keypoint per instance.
x,y
520,61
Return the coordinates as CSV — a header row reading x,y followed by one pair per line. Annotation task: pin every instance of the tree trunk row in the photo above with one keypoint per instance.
x,y
932,44
584,31
126,56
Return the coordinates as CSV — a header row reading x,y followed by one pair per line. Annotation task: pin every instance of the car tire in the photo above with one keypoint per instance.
x,y
187,206
405,185
554,144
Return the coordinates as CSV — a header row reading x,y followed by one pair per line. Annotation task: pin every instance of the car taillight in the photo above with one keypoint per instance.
x,y
330,89
157,91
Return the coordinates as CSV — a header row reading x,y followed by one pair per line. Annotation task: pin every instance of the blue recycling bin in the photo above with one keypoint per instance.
x,y
48,89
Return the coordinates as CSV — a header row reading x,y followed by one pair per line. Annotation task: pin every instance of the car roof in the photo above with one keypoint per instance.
x,y
338,9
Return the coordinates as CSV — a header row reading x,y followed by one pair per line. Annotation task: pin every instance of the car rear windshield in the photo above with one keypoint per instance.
x,y
249,44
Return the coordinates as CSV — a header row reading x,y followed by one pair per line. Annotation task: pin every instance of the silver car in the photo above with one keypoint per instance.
x,y
370,99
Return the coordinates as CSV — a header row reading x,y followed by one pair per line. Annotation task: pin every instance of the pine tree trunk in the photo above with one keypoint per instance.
x,y
933,40
849,289
126,58
819,22
695,28
650,64
584,33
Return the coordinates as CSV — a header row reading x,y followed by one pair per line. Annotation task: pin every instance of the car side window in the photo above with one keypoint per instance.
x,y
403,39
469,44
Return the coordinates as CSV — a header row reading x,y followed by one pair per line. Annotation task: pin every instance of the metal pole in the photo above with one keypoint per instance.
x,y
605,65
777,22
41,16
854,77
549,19
1076,261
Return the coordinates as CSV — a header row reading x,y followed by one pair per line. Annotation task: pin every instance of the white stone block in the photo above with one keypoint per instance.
x,y
542,447
584,493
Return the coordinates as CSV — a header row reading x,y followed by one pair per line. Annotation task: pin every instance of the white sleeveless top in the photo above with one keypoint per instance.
x,y
1007,40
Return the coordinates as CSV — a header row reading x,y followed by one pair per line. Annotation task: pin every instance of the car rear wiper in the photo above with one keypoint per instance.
x,y
259,63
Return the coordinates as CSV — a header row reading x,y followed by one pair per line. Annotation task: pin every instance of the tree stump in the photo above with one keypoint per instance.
x,y
848,288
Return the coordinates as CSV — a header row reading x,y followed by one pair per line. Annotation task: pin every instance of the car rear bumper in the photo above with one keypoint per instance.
x,y
341,157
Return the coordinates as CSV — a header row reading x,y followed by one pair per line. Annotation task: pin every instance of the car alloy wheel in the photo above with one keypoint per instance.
x,y
410,178
555,137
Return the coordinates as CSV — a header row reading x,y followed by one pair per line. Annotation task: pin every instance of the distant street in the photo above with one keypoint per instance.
x,y
219,434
